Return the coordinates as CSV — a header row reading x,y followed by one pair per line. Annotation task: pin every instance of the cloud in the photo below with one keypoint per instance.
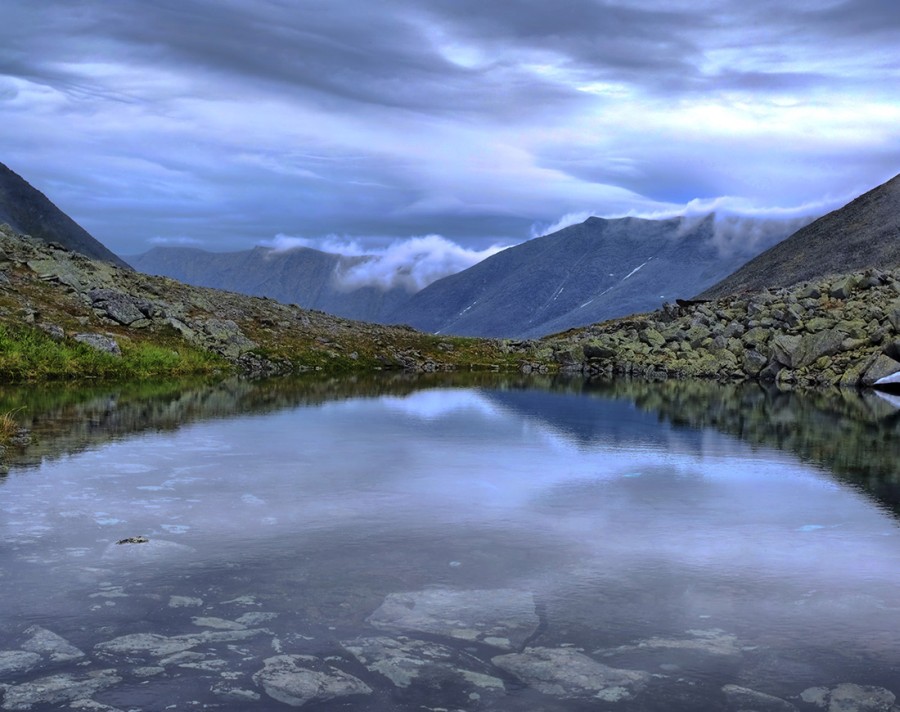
x,y
740,226
411,264
229,120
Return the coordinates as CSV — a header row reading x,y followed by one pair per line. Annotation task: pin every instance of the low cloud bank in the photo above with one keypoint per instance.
x,y
412,264
740,226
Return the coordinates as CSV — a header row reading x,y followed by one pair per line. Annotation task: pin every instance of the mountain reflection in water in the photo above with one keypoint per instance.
x,y
465,542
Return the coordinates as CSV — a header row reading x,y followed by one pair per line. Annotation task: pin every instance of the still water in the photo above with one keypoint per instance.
x,y
431,545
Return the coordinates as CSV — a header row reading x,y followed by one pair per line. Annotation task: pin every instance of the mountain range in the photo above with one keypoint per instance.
x,y
585,273
593,271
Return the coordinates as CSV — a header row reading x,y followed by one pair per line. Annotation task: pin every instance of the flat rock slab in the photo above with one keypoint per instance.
x,y
57,689
298,679
162,646
849,697
48,643
563,672
713,642
404,661
503,618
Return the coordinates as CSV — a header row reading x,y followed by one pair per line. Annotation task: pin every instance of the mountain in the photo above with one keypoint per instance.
x,y
864,233
586,273
301,276
26,210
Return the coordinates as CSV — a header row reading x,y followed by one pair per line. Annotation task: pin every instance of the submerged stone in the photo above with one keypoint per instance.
x,y
503,618
219,623
56,689
714,642
184,602
160,646
48,643
849,697
563,672
298,679
403,661
16,661
229,692
743,698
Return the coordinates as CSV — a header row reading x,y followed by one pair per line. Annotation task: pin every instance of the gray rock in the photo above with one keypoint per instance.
x,y
58,689
54,270
117,305
753,362
16,661
742,698
503,618
403,661
797,352
100,342
563,672
298,679
48,643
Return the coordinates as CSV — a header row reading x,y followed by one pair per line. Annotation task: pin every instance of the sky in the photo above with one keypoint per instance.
x,y
224,124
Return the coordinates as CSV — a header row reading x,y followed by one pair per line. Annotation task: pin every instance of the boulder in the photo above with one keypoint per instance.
x,y
812,347
106,344
881,368
117,305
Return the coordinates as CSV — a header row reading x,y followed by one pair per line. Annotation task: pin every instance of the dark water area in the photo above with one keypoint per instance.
x,y
450,542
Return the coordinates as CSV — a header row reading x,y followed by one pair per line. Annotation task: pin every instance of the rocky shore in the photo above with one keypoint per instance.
x,y
840,331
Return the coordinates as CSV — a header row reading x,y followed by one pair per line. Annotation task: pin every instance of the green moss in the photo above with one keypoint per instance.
x,y
28,354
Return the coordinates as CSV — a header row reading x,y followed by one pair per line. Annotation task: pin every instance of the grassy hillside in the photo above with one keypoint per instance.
x,y
66,316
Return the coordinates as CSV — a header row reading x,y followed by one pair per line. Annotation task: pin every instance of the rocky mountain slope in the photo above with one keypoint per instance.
x,y
49,293
301,276
597,270
864,233
26,210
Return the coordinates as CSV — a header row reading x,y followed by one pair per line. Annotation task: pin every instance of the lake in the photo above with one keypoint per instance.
x,y
455,543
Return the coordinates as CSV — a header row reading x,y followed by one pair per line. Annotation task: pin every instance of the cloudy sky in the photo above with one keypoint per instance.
x,y
225,123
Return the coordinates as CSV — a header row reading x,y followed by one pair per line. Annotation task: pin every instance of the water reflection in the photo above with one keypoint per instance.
x,y
483,544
